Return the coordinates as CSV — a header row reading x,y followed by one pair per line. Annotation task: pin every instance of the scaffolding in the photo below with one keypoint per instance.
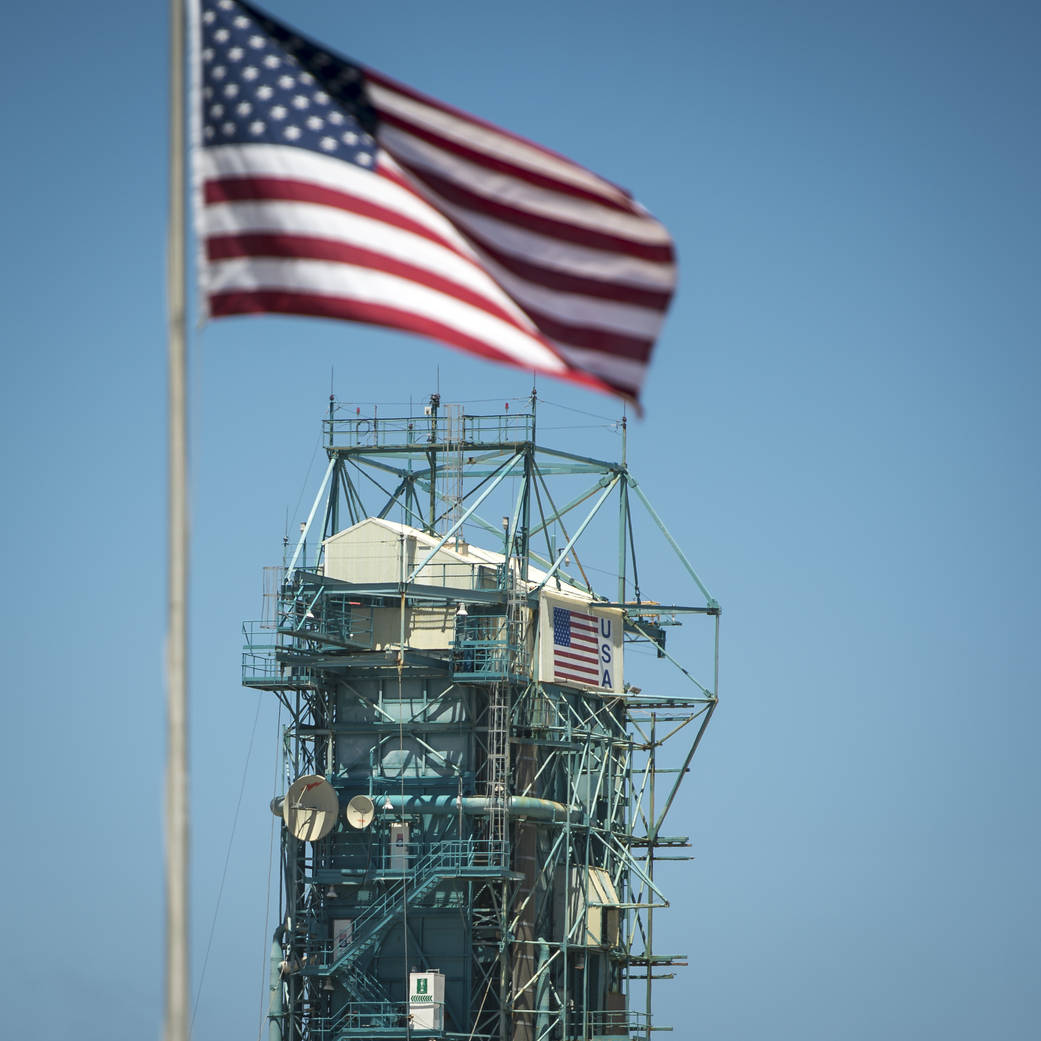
x,y
469,705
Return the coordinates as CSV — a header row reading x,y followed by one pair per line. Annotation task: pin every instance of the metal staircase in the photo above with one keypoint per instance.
x,y
464,858
369,1007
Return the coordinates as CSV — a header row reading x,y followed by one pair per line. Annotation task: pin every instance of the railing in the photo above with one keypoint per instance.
x,y
419,431
607,1023
483,649
442,858
268,649
261,666
361,1016
457,575
264,653
454,859
480,659
332,618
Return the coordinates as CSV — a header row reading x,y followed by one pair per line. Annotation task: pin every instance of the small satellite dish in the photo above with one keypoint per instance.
x,y
360,811
310,807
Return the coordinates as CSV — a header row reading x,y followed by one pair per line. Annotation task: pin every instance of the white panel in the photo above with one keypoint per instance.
x,y
590,652
343,935
399,848
426,1000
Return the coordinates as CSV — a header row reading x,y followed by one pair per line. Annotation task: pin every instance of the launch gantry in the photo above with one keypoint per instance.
x,y
473,799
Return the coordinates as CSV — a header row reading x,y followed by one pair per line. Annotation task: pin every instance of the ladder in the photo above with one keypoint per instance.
x,y
452,425
514,666
498,770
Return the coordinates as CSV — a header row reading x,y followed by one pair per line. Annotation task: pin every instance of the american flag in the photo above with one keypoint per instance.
x,y
326,188
576,650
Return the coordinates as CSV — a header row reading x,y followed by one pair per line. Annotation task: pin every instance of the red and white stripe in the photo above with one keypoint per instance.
x,y
464,233
581,661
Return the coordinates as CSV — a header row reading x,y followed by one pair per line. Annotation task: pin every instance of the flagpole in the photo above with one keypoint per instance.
x,y
176,1025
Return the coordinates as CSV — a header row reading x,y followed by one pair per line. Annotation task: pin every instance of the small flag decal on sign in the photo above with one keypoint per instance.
x,y
581,643
576,655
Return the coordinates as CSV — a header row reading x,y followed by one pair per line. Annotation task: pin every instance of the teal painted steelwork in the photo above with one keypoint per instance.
x,y
527,874
461,859
275,1010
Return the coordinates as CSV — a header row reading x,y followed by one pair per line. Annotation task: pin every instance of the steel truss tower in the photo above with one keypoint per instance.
x,y
474,803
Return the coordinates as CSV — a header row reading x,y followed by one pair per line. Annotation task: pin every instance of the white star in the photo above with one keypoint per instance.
x,y
306,77
221,35
219,72
365,159
314,123
235,53
286,82
350,138
207,54
321,60
208,17
271,61
243,108
335,117
231,90
328,143
300,102
250,72
209,131
279,112
228,128
207,93
256,41
292,133
216,111
256,127
321,97
226,5
241,22
264,92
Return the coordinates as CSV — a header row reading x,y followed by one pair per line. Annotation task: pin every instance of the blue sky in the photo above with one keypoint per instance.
x,y
841,430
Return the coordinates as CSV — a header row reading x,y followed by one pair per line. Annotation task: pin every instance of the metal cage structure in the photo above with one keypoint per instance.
x,y
483,865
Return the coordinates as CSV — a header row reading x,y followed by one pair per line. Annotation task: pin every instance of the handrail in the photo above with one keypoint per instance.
x,y
440,862
410,432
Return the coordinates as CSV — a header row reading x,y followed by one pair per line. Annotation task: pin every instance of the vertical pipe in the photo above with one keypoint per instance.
x,y
505,989
332,506
715,666
623,518
435,400
651,839
568,1000
542,991
274,1008
176,1027
529,478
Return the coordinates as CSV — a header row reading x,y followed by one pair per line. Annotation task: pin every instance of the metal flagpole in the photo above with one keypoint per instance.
x,y
175,1026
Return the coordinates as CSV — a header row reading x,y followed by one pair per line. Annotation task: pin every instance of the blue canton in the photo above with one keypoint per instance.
x,y
561,627
261,84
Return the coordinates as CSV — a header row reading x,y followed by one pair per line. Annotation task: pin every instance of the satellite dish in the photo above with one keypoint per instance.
x,y
360,811
310,807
